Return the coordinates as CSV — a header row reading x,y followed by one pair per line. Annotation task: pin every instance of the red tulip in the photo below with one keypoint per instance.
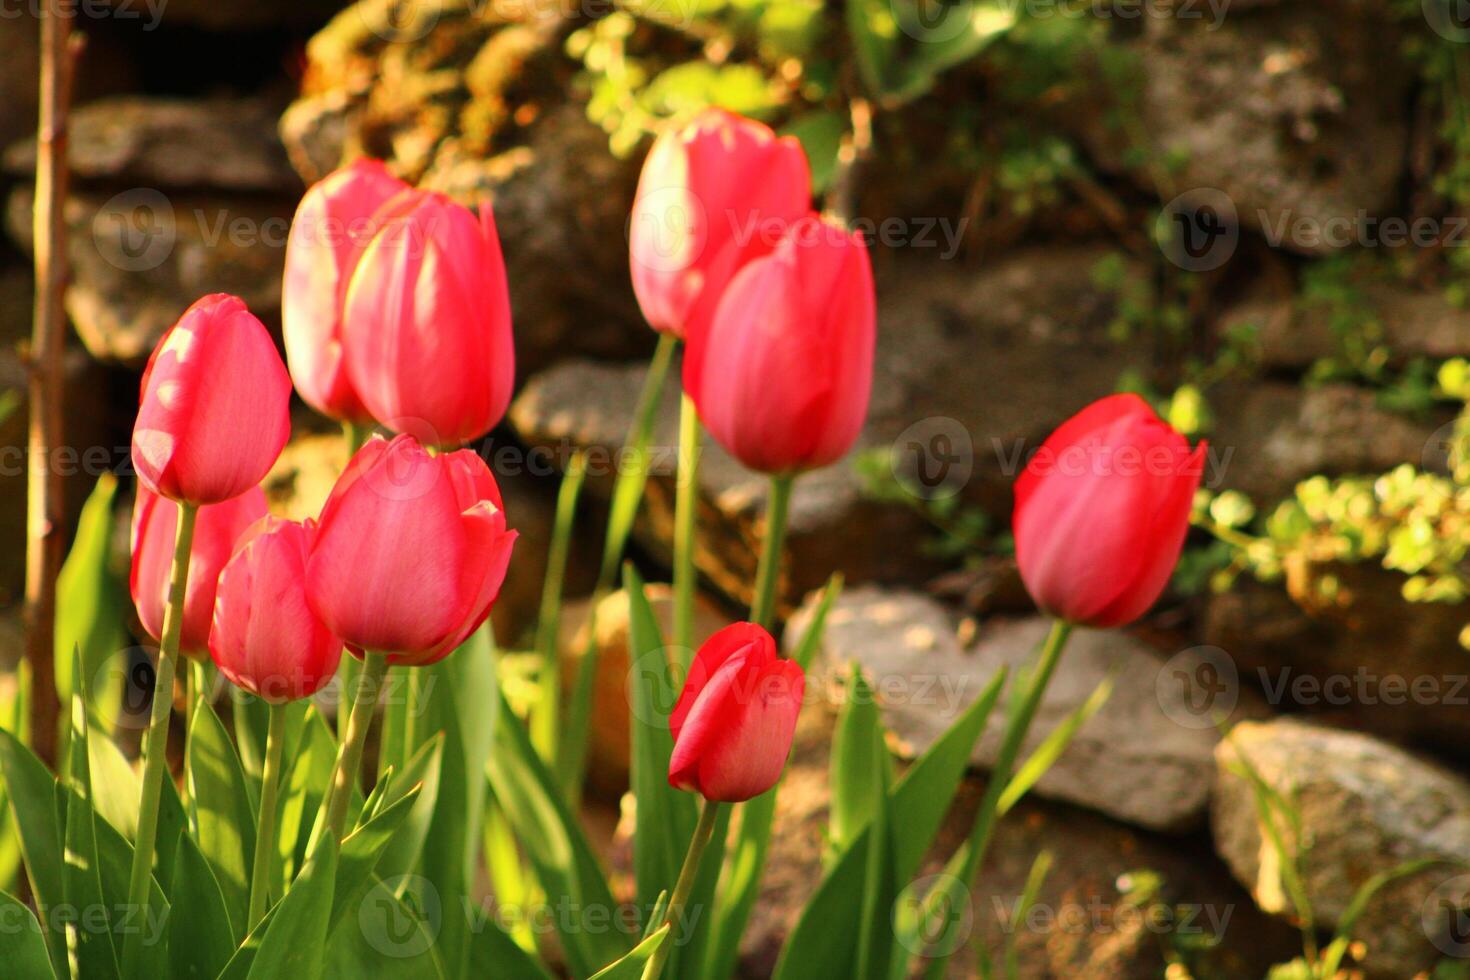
x,y
333,224
427,335
734,720
782,377
214,411
1102,510
713,195
216,530
265,638
411,551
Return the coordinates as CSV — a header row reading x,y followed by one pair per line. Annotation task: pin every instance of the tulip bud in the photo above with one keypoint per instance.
x,y
410,552
1102,510
265,638
214,413
734,721
713,195
782,377
333,224
216,530
427,334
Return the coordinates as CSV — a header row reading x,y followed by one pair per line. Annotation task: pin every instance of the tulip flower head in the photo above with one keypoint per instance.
x,y
214,413
1101,512
782,376
410,552
333,224
427,329
735,718
264,637
714,194
217,529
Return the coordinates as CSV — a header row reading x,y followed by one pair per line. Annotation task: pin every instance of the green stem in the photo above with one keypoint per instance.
x,y
687,874
768,572
349,756
1017,727
155,750
546,719
627,493
265,834
686,514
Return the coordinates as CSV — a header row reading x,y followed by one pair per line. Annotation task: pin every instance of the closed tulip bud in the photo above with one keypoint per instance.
x,y
734,720
265,638
714,194
216,530
1101,512
427,334
410,552
782,377
333,224
214,413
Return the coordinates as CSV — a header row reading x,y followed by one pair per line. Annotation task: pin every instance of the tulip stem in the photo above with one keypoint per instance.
x,y
1017,727
702,833
265,827
349,757
778,504
686,515
355,435
155,750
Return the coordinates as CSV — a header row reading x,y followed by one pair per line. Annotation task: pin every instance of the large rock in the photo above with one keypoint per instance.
x,y
1368,660
1365,808
988,359
1095,918
1144,758
1293,110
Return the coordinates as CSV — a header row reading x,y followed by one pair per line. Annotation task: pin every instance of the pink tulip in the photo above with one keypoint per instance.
x,y
214,413
714,194
735,718
333,224
427,335
265,638
216,530
411,551
1102,510
782,377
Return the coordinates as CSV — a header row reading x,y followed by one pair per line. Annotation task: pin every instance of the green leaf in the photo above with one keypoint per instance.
x,y
309,768
1034,881
861,767
665,816
89,932
821,943
554,843
545,720
630,967
458,696
821,135
421,771
1054,745
296,935
222,802
200,941
39,814
361,851
22,946
494,955
391,934
91,606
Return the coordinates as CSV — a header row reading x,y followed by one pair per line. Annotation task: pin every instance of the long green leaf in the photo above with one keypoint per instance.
x,y
1052,747
861,766
631,967
91,607
309,767
546,717
89,933
39,816
22,946
361,851
296,935
554,843
494,955
200,940
222,803
421,771
391,934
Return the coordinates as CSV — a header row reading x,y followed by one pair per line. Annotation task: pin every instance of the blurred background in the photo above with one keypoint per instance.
x,y
1254,212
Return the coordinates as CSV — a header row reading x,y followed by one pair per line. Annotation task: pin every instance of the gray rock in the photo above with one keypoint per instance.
x,y
151,142
1294,110
139,258
1144,758
1367,808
